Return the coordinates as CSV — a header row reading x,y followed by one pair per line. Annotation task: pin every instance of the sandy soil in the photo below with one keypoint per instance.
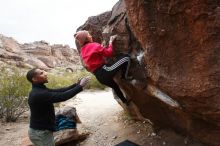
x,y
11,134
106,121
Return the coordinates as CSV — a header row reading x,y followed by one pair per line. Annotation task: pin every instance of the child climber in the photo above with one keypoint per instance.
x,y
93,55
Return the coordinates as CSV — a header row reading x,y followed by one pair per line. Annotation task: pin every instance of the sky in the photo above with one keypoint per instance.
x,y
54,21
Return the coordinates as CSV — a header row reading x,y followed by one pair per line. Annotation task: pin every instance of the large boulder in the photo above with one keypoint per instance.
x,y
36,63
9,44
48,61
63,53
37,48
10,55
176,57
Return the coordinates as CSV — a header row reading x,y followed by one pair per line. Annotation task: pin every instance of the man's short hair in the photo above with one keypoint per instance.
x,y
30,74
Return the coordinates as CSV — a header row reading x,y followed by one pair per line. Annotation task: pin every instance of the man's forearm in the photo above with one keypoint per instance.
x,y
63,89
63,96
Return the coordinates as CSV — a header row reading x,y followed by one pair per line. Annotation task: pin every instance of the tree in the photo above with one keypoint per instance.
x,y
14,89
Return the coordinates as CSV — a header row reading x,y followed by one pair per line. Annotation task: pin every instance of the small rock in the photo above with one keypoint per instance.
x,y
186,141
153,134
106,137
25,116
114,137
105,124
7,129
139,131
164,143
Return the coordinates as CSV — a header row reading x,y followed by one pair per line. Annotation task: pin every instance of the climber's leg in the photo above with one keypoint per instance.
x,y
122,63
104,77
117,90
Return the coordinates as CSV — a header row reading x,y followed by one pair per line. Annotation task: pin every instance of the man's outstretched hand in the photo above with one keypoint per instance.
x,y
84,81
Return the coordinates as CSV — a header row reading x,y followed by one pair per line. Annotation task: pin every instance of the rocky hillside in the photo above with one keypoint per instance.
x,y
37,54
175,51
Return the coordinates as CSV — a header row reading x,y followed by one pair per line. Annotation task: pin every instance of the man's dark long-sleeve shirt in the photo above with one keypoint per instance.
x,y
41,101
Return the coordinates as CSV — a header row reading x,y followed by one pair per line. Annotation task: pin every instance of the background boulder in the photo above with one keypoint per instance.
x,y
37,54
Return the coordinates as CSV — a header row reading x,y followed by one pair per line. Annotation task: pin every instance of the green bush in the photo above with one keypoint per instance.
x,y
14,89
65,79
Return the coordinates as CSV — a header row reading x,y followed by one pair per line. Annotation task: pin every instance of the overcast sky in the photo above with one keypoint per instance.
x,y
54,21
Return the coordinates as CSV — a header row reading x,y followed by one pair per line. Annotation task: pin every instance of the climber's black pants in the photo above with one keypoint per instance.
x,y
105,74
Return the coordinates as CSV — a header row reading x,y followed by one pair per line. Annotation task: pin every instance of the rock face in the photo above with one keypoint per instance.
x,y
176,61
37,54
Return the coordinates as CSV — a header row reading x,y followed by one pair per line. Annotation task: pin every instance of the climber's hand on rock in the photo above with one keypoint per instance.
x,y
112,39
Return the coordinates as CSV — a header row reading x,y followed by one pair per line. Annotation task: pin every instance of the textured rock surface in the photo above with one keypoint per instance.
x,y
175,65
37,54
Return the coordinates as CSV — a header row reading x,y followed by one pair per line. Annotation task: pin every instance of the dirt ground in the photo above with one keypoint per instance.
x,y
108,124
